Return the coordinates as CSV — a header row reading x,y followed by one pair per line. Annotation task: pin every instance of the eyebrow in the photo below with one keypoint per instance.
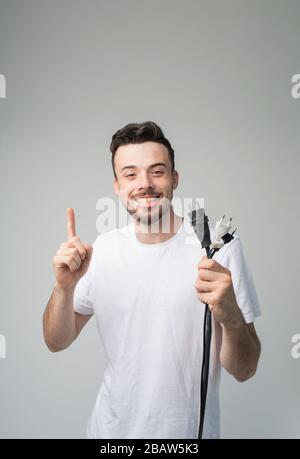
x,y
152,165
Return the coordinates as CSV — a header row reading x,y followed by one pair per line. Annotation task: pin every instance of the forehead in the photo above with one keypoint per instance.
x,y
141,155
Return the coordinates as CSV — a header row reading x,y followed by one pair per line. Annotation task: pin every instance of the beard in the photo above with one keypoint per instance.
x,y
151,218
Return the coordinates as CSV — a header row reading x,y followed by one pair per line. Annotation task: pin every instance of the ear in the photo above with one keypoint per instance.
x,y
116,186
175,179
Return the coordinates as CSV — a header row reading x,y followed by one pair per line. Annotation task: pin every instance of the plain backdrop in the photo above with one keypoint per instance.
x,y
216,76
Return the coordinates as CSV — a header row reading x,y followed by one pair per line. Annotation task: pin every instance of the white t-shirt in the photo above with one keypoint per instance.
x,y
151,324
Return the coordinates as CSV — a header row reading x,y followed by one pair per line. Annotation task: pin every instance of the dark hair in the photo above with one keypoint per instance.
x,y
148,131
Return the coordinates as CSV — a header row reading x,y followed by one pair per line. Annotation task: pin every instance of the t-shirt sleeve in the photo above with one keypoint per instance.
x,y
233,258
82,295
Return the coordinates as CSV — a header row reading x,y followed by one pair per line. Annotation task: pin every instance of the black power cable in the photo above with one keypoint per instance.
x,y
199,222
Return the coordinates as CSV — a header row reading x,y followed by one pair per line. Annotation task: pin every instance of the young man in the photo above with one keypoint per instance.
x,y
147,290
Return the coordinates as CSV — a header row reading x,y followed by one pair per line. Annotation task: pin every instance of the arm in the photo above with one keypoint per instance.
x,y
61,324
240,350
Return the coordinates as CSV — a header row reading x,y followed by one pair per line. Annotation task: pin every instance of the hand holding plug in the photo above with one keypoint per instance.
x,y
214,287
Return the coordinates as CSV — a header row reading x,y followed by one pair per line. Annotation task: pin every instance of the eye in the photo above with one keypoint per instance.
x,y
158,172
129,175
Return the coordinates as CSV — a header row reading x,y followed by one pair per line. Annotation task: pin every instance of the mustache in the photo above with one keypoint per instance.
x,y
146,194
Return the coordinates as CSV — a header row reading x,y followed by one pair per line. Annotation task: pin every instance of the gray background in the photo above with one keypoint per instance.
x,y
216,75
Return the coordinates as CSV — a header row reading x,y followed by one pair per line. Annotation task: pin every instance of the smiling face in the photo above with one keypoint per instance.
x,y
145,181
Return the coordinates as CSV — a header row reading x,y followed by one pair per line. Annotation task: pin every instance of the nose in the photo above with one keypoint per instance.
x,y
144,182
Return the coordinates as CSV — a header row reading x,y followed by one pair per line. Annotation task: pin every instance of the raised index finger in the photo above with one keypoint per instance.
x,y
71,223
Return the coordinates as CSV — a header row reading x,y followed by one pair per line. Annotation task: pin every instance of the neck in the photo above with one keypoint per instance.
x,y
162,232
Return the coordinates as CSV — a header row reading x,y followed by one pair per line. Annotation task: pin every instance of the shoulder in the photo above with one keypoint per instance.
x,y
110,237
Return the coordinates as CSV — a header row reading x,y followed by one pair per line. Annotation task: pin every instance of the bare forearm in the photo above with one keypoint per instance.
x,y
59,319
240,351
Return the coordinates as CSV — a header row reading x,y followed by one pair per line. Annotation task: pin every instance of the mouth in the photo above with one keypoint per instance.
x,y
148,201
